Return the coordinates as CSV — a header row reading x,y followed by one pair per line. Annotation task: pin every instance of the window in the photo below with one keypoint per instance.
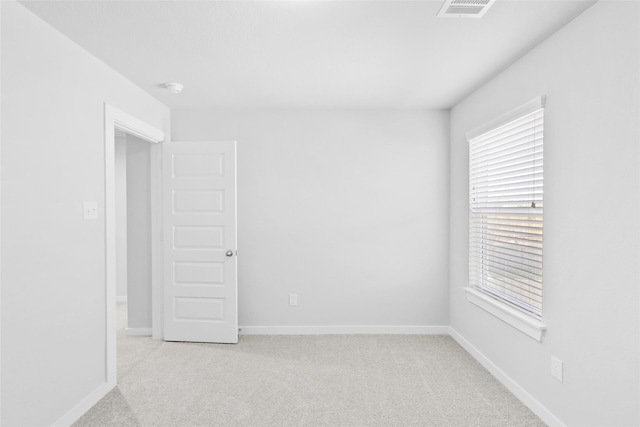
x,y
506,209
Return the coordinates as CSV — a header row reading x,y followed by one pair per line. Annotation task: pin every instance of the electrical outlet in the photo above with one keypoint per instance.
x,y
556,368
293,300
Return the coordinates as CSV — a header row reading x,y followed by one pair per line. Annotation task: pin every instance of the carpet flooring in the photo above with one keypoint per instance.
x,y
326,380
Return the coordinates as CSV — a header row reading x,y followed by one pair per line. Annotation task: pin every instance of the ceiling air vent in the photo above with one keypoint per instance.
x,y
464,8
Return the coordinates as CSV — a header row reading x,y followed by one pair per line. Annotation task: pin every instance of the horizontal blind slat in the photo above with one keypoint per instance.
x,y
515,271
530,246
532,137
498,280
522,226
523,296
522,146
532,240
527,305
515,177
530,297
527,253
518,164
514,126
512,237
513,257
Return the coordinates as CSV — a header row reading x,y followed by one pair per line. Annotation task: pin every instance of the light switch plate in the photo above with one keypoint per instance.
x,y
293,300
90,210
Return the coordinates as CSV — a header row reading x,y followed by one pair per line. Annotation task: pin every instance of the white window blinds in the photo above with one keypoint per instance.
x,y
506,207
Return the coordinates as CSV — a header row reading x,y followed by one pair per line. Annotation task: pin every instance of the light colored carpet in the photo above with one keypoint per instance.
x,y
354,380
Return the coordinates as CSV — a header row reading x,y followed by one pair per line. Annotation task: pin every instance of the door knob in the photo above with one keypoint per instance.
x,y
229,253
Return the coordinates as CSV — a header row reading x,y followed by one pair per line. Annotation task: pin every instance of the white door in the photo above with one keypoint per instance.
x,y
200,267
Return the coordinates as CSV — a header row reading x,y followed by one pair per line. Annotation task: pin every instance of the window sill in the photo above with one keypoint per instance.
x,y
525,324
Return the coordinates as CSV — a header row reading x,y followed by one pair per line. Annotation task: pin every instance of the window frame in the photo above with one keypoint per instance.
x,y
523,321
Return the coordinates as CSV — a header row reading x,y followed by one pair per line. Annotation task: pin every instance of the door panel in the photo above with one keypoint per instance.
x,y
200,266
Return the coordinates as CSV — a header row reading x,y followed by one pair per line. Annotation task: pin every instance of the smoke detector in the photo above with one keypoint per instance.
x,y
174,87
464,8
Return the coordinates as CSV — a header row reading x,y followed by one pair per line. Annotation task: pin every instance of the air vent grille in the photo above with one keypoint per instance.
x,y
464,8
471,2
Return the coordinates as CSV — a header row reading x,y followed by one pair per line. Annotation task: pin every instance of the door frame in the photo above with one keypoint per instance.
x,y
118,119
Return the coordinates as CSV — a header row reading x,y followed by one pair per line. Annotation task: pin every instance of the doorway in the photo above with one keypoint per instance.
x,y
118,123
133,231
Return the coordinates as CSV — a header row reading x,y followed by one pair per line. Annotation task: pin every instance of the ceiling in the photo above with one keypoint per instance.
x,y
306,54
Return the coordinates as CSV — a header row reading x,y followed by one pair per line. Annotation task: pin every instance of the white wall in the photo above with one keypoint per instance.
x,y
53,268
590,73
138,233
347,209
0,227
120,178
133,230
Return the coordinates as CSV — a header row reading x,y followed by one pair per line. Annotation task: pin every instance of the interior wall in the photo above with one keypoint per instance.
x,y
53,261
138,195
589,72
0,226
120,177
346,209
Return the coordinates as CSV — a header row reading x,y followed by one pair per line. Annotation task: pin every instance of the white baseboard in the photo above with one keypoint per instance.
x,y
345,330
84,405
138,332
536,407
121,298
